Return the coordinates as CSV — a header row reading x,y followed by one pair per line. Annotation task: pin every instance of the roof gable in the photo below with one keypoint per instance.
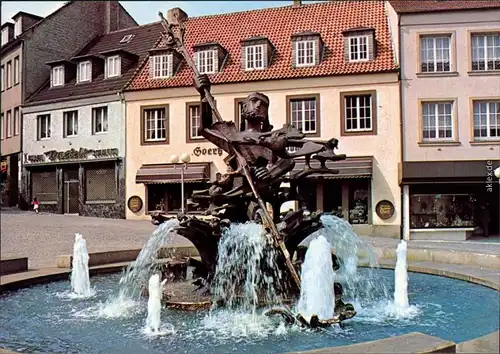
x,y
416,6
278,25
145,37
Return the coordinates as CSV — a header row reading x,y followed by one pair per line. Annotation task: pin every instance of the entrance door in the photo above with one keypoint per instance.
x,y
71,187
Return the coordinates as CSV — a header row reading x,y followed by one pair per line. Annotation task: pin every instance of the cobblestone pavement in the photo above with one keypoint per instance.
x,y
43,237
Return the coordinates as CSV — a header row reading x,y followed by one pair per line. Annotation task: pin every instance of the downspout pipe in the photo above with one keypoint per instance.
x,y
121,96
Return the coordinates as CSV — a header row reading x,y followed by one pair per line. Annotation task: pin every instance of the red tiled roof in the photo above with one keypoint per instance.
x,y
328,19
414,6
145,37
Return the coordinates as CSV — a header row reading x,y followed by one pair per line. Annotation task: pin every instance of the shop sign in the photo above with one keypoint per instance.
x,y
384,209
134,203
71,154
198,151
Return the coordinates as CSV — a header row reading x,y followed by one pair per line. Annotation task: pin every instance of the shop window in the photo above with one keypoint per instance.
x,y
358,203
100,183
44,186
442,210
167,197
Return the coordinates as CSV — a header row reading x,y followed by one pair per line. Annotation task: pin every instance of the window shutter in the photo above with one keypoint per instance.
x,y
151,66
196,60
346,49
371,47
294,54
170,65
51,77
106,65
243,57
215,55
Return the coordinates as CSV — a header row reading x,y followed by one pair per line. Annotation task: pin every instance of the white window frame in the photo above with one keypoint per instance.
x,y
435,121
357,114
70,120
100,121
8,124
16,70
205,58
308,55
193,128
490,51
39,132
9,74
158,124
161,65
114,62
490,109
254,57
5,36
17,121
424,58
57,76
298,106
18,27
359,51
84,71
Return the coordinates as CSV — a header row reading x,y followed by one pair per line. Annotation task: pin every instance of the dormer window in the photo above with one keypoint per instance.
x,y
205,60
58,76
359,45
358,48
84,71
305,53
113,66
162,66
18,27
308,49
5,35
254,57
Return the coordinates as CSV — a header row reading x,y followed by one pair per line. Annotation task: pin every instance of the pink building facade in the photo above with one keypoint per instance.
x,y
450,106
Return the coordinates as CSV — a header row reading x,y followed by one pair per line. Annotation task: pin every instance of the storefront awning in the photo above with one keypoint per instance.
x,y
351,167
418,172
170,173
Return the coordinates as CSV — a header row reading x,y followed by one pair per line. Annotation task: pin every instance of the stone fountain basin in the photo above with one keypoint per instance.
x,y
31,310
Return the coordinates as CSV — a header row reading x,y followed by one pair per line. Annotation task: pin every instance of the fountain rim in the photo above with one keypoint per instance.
x,y
46,275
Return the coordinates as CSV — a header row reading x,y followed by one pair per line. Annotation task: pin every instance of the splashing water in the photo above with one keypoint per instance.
x,y
80,280
246,270
246,275
317,278
153,320
401,308
137,273
347,245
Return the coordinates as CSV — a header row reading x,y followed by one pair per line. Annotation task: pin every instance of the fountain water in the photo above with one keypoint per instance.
x,y
137,273
80,281
153,321
400,306
401,280
246,271
317,278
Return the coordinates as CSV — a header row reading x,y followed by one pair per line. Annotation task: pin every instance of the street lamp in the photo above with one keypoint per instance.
x,y
497,174
184,160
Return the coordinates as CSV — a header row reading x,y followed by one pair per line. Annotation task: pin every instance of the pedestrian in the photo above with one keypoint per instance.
x,y
35,205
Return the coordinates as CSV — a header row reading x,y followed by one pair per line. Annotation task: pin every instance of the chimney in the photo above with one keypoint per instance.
x,y
111,14
297,3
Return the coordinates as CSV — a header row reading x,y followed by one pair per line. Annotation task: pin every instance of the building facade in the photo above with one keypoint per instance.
x,y
326,80
27,44
450,94
74,131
